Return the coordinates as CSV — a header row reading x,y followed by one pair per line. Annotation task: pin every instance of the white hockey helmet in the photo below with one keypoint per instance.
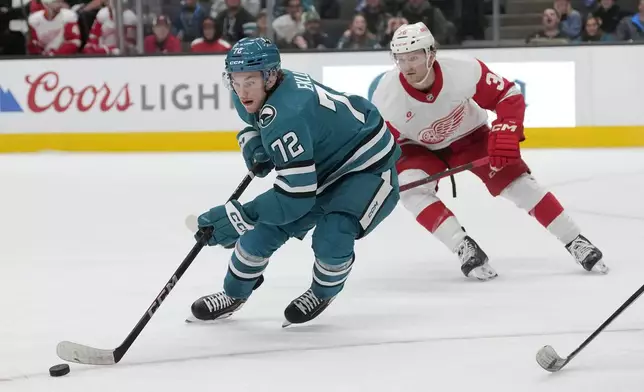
x,y
409,38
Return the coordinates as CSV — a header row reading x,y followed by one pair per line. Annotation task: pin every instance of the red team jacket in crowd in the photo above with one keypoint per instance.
x,y
170,45
200,45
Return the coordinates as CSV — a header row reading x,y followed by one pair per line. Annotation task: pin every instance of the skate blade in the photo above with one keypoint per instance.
x,y
483,273
600,268
286,323
193,320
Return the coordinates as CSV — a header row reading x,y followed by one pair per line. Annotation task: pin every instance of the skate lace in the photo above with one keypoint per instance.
x,y
218,301
466,251
580,249
307,302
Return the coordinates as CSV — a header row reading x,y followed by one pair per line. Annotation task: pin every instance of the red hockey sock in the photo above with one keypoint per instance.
x,y
441,222
550,213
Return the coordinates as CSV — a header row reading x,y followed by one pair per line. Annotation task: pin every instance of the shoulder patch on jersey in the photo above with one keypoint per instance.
x,y
266,116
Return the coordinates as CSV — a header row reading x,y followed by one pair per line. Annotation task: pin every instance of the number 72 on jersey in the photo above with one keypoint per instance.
x,y
289,145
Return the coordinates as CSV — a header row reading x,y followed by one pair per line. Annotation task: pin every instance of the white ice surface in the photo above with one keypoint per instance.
x,y
87,242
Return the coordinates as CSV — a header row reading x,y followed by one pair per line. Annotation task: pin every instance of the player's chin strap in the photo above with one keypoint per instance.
x,y
429,66
429,70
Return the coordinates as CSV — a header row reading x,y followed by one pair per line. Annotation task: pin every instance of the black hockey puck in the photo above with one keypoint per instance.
x,y
59,370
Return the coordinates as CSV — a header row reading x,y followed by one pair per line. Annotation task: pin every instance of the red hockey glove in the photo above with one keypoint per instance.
x,y
503,145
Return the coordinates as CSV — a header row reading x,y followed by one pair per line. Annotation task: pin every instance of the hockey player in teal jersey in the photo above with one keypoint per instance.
x,y
335,163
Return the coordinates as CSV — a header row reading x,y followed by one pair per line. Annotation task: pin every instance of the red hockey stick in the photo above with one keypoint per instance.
x,y
446,173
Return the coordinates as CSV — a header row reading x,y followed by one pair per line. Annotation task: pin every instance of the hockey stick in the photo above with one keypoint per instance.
x,y
446,173
548,358
73,352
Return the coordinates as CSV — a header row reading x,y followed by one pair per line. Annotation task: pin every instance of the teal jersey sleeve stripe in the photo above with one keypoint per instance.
x,y
297,180
377,151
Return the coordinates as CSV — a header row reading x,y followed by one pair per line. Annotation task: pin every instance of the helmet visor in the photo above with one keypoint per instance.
x,y
411,60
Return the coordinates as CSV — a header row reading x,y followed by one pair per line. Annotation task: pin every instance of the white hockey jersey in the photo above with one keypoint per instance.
x,y
103,32
454,106
59,34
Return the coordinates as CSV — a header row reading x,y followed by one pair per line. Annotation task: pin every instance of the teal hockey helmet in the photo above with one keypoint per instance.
x,y
253,54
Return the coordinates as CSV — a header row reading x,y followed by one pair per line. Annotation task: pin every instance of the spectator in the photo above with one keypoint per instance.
x,y
234,22
632,28
211,42
313,37
87,10
592,32
329,9
252,6
262,24
54,30
13,27
392,7
188,23
282,8
357,37
103,38
570,24
422,11
610,14
289,25
376,17
550,32
392,25
471,21
161,40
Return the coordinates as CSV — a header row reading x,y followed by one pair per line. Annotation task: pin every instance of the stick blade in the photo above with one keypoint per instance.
x,y
78,353
548,359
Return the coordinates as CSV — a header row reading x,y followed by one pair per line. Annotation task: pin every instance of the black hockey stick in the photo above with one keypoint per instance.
x,y
73,352
446,173
548,358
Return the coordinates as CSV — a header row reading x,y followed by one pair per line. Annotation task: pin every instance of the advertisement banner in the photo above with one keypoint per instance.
x,y
178,103
548,87
115,95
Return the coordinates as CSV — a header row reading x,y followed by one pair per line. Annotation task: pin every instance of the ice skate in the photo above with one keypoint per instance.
x,y
214,307
474,262
305,308
217,306
587,255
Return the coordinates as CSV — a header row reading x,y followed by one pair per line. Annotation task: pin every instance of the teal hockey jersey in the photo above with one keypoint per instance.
x,y
315,137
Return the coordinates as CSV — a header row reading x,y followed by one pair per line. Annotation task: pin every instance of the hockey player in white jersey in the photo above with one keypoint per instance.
x,y
103,37
53,30
436,108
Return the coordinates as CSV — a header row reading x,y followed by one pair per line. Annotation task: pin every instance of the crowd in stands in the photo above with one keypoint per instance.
x,y
602,20
54,27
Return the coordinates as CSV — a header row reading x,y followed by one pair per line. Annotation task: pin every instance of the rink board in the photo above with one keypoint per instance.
x,y
144,104
578,137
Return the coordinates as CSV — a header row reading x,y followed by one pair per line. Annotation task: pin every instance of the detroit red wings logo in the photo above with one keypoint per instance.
x,y
441,129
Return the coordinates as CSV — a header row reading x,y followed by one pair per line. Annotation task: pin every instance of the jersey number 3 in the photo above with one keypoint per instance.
x,y
288,146
328,100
